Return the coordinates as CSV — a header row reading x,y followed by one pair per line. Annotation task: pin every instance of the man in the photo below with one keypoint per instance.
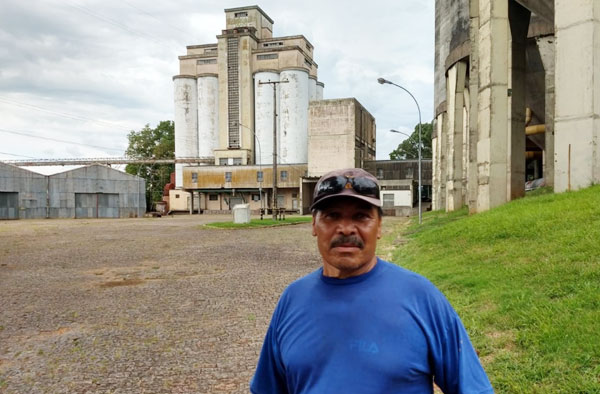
x,y
360,324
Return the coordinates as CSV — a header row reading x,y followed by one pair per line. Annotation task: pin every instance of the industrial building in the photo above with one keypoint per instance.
x,y
398,180
516,98
250,91
88,192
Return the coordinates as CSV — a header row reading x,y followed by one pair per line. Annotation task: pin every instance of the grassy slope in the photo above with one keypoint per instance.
x,y
525,278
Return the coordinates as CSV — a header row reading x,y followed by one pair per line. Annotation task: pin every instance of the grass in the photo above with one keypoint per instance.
x,y
525,279
261,223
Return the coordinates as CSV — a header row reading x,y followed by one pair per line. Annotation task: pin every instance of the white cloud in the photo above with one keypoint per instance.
x,y
113,61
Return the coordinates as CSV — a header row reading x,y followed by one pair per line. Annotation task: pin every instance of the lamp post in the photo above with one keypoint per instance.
x,y
384,81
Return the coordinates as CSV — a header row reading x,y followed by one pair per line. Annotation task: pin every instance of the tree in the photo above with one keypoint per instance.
x,y
156,143
409,148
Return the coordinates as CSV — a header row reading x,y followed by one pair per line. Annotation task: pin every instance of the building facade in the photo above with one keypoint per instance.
x,y
516,99
89,192
226,94
252,98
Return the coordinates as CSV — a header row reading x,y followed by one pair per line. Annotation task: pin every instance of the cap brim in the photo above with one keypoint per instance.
x,y
371,200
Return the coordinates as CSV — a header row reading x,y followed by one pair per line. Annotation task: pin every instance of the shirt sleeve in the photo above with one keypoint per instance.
x,y
269,377
456,366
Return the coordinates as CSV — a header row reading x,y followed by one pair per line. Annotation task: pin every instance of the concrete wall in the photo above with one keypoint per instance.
x,y
340,129
31,188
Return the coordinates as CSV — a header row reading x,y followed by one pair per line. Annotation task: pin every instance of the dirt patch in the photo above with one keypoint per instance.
x,y
124,282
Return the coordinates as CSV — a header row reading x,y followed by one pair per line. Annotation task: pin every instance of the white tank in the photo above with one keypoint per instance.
x,y
186,121
312,88
293,116
320,86
263,116
208,114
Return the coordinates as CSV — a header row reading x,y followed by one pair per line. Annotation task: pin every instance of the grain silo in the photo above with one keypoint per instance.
x,y
293,116
263,112
208,114
186,121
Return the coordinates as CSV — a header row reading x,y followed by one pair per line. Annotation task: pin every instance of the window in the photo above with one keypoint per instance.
x,y
259,176
283,175
194,177
223,161
294,195
272,44
241,14
210,50
228,176
207,61
237,161
380,173
177,196
388,200
409,173
255,197
307,62
213,197
267,56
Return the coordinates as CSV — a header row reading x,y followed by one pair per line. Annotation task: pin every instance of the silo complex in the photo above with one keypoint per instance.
x,y
263,107
186,121
293,119
223,114
208,114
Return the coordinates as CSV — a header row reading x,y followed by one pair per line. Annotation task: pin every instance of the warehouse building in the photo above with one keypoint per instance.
x,y
89,192
516,98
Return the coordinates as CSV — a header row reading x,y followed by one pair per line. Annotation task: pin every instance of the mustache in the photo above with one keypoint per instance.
x,y
347,239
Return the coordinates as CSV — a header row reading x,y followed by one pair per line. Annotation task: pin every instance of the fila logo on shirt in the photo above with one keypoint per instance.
x,y
362,346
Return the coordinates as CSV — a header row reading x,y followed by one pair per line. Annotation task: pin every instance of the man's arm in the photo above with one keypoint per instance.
x,y
270,372
457,369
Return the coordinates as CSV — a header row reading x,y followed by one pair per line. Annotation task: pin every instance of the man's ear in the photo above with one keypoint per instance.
x,y
314,223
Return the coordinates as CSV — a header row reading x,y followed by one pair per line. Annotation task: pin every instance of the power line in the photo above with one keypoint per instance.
x,y
57,140
61,114
96,15
153,17
12,154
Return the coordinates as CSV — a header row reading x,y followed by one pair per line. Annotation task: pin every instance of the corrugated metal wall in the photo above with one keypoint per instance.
x,y
104,192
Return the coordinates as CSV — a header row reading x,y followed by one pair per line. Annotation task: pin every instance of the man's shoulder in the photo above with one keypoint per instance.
x,y
410,282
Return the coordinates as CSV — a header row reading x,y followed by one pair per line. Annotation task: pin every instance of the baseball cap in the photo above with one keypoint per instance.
x,y
349,182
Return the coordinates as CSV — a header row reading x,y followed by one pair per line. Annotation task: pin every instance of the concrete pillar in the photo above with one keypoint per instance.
x,y
435,170
473,98
577,116
442,132
455,100
545,47
492,122
519,25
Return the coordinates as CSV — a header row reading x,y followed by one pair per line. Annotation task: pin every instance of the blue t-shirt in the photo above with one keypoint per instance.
x,y
386,331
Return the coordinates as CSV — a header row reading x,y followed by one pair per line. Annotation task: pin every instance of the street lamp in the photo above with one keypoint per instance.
x,y
384,81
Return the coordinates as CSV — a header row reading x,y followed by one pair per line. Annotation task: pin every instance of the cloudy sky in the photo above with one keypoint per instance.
x,y
77,75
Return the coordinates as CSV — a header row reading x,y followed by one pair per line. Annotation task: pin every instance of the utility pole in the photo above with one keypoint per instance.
x,y
274,84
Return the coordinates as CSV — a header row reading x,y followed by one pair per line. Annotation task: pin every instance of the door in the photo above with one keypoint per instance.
x,y
96,205
9,205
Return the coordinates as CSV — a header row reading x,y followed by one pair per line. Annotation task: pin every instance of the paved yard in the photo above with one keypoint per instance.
x,y
140,305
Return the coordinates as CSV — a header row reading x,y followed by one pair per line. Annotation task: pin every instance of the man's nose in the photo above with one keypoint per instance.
x,y
346,226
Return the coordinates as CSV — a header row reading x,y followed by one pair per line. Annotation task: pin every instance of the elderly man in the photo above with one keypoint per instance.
x,y
360,324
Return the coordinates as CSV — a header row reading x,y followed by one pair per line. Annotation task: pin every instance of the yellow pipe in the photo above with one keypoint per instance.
x,y
535,129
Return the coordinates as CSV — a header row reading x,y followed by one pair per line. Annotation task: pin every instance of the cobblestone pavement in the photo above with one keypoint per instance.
x,y
159,305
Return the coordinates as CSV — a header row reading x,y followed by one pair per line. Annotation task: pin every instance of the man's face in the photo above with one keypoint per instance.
x,y
347,230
